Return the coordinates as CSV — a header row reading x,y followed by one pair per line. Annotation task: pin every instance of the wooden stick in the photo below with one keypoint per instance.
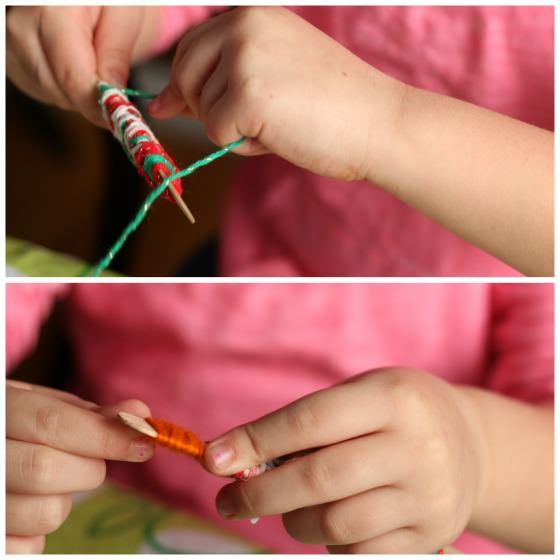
x,y
137,423
180,202
184,208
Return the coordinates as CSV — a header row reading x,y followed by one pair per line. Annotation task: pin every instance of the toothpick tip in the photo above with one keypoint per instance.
x,y
137,423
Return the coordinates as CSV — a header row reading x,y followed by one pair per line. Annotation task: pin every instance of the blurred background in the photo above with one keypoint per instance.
x,y
71,189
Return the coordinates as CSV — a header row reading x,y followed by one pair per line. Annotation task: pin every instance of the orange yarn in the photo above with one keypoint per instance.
x,y
177,439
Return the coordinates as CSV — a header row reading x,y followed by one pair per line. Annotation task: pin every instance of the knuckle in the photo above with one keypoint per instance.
x,y
406,395
107,445
302,420
248,16
68,81
333,527
52,513
41,470
250,93
255,444
47,422
317,478
436,448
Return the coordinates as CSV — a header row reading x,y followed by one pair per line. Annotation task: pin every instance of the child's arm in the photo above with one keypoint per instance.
x,y
516,503
484,176
266,74
405,463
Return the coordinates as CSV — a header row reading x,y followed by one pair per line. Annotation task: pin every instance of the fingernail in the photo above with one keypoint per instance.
x,y
19,384
223,505
141,450
221,456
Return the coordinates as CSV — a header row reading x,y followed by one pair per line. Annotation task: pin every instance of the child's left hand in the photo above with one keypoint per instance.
x,y
267,74
399,469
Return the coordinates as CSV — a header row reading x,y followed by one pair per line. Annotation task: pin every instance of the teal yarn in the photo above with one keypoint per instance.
x,y
137,93
105,262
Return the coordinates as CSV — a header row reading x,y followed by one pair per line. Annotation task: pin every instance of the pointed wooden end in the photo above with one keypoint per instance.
x,y
137,423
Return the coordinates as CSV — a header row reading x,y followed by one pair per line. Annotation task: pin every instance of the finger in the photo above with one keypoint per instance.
x,y
330,474
401,541
26,64
37,469
55,393
310,422
228,119
29,516
41,419
115,36
191,68
359,518
67,39
169,103
132,406
25,545
214,88
206,27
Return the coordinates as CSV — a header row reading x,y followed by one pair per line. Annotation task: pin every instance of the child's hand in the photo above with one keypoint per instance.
x,y
265,73
399,467
56,444
55,54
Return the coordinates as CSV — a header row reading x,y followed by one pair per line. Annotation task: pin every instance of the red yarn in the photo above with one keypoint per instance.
x,y
146,147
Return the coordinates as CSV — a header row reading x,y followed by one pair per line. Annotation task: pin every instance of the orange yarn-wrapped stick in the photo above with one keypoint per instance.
x,y
177,439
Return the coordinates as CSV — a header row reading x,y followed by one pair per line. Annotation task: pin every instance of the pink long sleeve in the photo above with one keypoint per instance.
x,y
27,306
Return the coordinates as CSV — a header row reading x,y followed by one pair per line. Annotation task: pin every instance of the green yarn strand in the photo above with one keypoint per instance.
x,y
137,93
141,214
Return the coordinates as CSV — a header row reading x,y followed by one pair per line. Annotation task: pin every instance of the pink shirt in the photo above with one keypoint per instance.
x,y
282,221
211,356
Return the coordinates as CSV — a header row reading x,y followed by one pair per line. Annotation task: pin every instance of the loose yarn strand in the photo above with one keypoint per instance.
x,y
141,214
137,93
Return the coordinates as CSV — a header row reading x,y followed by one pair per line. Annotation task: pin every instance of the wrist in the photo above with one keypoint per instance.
x,y
388,98
471,403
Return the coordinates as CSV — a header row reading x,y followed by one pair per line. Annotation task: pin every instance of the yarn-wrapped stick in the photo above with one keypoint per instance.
x,y
184,441
141,146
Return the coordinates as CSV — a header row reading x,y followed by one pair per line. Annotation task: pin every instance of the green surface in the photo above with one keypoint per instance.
x,y
116,521
33,260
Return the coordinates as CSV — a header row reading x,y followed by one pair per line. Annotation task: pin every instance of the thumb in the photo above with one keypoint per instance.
x,y
168,103
115,37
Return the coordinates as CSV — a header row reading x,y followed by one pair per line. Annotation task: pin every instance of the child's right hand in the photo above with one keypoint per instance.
x,y
57,444
55,54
